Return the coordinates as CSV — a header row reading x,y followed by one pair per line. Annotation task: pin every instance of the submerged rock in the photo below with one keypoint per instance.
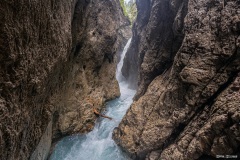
x,y
57,58
188,63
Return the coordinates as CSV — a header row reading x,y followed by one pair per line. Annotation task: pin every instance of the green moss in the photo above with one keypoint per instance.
x,y
129,9
123,7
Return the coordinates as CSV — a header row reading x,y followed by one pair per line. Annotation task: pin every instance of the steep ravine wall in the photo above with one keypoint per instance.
x,y
188,61
57,59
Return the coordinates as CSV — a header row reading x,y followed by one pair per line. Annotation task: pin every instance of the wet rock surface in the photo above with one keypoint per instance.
x,y
57,59
190,108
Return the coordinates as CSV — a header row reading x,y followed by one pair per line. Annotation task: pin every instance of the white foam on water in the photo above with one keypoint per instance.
x,y
98,144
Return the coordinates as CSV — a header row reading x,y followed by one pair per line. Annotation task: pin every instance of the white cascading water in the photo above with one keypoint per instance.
x,y
119,75
98,144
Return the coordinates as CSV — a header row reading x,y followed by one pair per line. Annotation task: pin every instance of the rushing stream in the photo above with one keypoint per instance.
x,y
98,144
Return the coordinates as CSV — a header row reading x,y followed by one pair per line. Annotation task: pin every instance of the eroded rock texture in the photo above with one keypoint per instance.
x,y
98,31
57,59
187,105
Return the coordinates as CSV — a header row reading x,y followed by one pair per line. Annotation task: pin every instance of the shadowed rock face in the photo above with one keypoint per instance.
x,y
188,64
157,36
57,59
130,67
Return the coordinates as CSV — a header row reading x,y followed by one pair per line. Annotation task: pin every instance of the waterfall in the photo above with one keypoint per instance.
x,y
98,144
120,64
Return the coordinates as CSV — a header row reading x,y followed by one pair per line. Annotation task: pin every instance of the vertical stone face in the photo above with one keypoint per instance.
x,y
35,41
130,68
157,36
188,68
57,59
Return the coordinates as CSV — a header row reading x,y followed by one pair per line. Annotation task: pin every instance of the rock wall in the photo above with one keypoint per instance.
x,y
57,59
187,104
130,67
98,30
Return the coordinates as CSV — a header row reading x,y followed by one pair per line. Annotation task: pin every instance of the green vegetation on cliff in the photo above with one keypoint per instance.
x,y
123,7
129,9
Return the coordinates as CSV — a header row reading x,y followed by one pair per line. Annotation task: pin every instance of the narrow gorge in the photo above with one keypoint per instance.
x,y
165,72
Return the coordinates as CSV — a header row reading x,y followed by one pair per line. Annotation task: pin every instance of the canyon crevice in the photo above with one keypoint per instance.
x,y
186,68
58,60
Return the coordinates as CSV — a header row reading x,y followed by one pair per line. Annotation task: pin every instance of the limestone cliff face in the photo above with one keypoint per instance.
x,y
57,59
187,104
98,30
